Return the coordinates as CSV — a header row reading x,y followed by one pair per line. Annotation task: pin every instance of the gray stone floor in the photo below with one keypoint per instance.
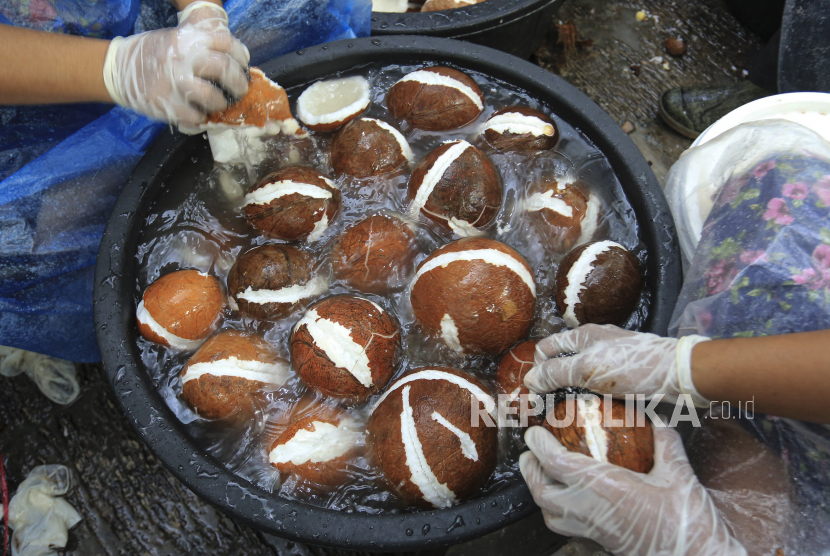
x,y
131,505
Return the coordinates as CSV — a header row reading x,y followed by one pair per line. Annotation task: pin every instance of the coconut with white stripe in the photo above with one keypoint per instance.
x,y
293,203
369,147
457,187
521,129
271,282
181,309
436,5
510,375
220,379
345,347
376,255
436,99
623,437
478,295
331,104
564,214
426,440
317,448
598,282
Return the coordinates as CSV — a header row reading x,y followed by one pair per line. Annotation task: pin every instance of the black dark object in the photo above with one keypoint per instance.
x,y
513,26
115,294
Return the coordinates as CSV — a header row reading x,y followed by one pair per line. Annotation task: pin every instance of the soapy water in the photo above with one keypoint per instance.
x,y
197,222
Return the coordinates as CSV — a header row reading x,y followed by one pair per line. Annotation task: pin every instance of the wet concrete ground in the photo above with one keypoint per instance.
x,y
132,505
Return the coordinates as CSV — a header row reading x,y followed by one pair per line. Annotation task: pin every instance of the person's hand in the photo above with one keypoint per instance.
x,y
664,512
179,75
610,360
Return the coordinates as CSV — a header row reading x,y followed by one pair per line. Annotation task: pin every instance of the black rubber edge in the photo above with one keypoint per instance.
x,y
115,289
513,26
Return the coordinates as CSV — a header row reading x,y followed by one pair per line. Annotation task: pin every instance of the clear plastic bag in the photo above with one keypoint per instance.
x,y
753,211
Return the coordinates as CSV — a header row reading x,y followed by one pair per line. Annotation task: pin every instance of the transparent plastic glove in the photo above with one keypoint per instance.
x,y
179,75
610,360
665,512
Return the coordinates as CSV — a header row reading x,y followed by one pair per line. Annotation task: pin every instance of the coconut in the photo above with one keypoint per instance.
x,y
329,105
368,147
345,347
375,255
317,448
599,283
180,309
563,214
522,129
235,133
390,6
436,99
436,5
296,202
272,281
457,187
228,369
478,294
587,432
423,436
513,367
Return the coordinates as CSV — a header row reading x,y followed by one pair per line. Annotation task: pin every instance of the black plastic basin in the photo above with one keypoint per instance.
x,y
116,289
513,26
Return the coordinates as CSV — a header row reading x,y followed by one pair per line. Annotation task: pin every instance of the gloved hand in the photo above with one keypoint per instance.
x,y
664,512
610,360
178,75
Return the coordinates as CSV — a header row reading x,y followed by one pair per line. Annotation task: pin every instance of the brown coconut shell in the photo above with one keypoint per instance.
x,y
558,231
513,367
378,332
522,142
264,101
329,473
434,107
363,149
630,447
437,5
293,217
270,267
491,306
186,303
470,189
217,397
612,288
441,447
375,255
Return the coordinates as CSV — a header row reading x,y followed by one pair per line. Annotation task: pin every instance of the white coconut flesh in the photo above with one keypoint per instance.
x,y
289,294
272,191
590,222
336,342
261,371
462,228
519,124
490,256
434,175
175,342
333,101
319,228
546,201
325,443
436,493
399,138
236,144
578,273
434,374
468,446
390,6
449,333
596,437
436,79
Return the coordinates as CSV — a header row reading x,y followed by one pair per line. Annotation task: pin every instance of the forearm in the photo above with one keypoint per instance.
x,y
787,375
48,68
